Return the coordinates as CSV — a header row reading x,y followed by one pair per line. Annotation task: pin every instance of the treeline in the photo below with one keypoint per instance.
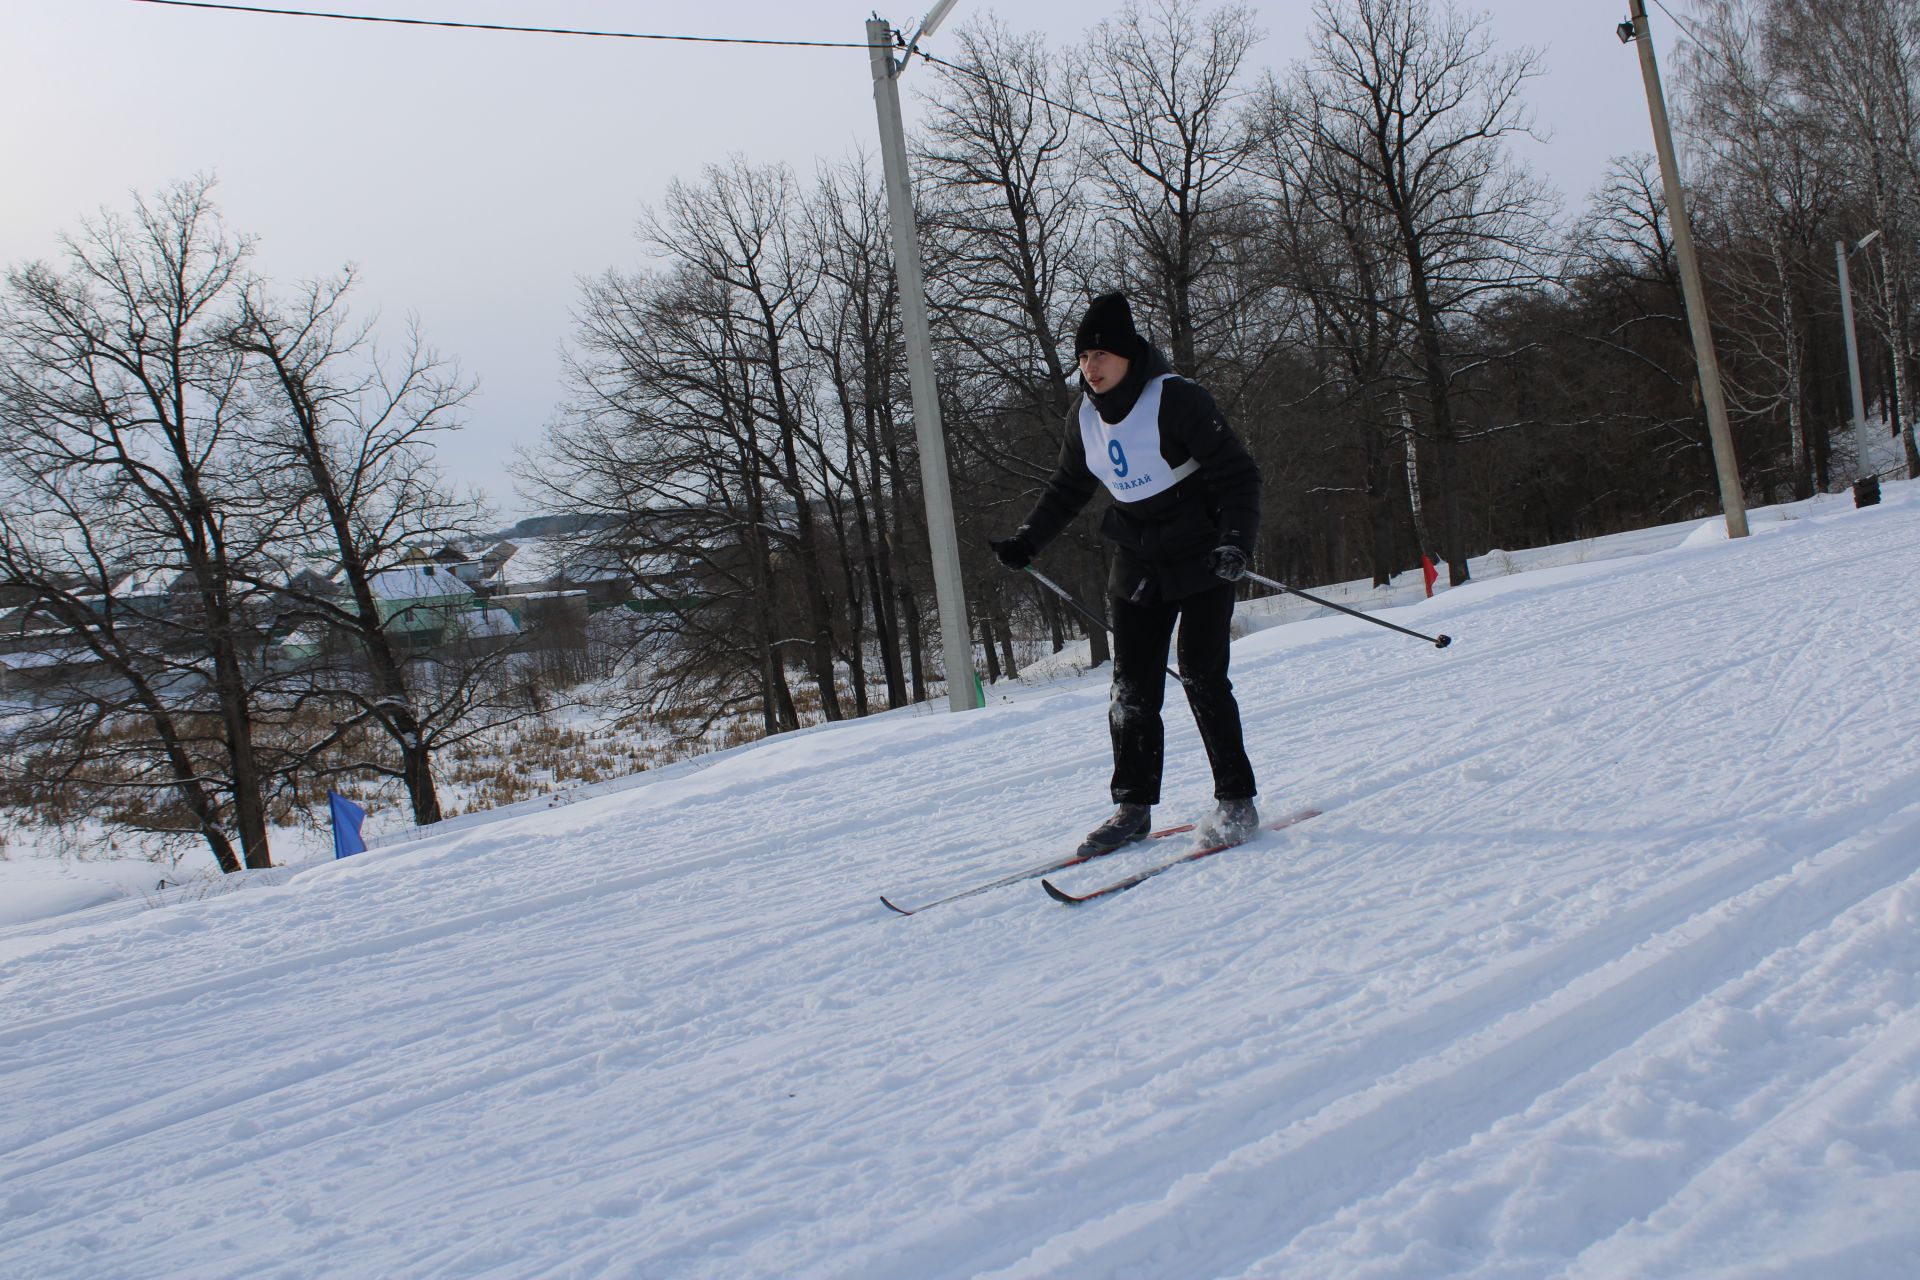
x,y
1425,351
1425,354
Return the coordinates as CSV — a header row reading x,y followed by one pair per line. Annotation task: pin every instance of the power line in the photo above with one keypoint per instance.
x,y
1070,109
1025,92
495,26
1685,30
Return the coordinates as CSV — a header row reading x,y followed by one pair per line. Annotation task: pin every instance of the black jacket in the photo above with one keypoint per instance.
x,y
1161,542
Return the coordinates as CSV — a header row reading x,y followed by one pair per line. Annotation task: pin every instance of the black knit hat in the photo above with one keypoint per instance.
x,y
1108,326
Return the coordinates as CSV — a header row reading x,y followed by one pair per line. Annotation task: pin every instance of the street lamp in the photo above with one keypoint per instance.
x,y
943,540
1860,443
1726,466
928,25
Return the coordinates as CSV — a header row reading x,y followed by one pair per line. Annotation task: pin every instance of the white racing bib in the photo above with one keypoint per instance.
x,y
1126,454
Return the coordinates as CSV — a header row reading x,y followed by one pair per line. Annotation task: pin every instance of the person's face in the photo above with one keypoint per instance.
x,y
1102,369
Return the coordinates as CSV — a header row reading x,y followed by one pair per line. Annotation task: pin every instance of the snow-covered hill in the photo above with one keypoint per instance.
x,y
1601,962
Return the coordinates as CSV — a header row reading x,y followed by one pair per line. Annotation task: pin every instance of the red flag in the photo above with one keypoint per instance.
x,y
1428,572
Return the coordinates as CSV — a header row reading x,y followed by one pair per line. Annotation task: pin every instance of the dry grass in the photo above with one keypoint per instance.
x,y
534,756
124,790
529,760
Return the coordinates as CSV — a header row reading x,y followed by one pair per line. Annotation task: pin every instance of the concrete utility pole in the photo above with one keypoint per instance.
x,y
1725,463
1860,441
949,591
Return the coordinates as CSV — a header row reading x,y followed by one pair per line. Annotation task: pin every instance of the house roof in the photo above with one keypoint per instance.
x,y
552,560
535,559
481,624
416,582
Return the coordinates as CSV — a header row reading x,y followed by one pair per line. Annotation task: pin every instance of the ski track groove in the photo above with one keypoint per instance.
x,y
1832,1084
1322,1149
1734,880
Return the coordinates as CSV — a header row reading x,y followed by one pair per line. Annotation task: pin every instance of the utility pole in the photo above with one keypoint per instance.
x,y
1860,442
1718,431
949,592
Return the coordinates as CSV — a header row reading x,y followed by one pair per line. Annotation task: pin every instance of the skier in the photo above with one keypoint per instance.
x,y
1185,511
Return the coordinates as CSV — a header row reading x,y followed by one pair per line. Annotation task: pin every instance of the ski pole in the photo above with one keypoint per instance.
x,y
1438,642
1085,612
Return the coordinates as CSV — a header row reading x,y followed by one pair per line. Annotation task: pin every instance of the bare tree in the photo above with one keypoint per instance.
x,y
118,390
1165,82
661,447
347,438
1858,64
738,228
1773,184
1421,106
119,732
1009,216
1623,276
1006,193
851,330
1337,249
1624,236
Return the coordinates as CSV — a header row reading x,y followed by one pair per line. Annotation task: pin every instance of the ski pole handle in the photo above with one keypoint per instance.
x,y
1438,642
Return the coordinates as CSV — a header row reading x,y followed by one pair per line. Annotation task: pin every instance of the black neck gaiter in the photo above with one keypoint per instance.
x,y
1117,402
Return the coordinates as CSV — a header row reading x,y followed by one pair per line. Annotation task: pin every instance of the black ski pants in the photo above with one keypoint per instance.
x,y
1142,634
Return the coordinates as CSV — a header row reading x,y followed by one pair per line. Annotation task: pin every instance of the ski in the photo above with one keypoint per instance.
x,y
1192,855
1045,869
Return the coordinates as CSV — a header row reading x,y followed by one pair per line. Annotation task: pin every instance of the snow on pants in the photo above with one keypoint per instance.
x,y
1141,636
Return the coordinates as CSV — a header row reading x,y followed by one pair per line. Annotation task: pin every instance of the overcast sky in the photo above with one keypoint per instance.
x,y
475,177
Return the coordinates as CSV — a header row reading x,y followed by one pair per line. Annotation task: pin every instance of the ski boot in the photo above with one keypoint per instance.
x,y
1128,824
1231,822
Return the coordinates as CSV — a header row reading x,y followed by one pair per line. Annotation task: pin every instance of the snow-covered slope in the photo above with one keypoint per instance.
x,y
1601,962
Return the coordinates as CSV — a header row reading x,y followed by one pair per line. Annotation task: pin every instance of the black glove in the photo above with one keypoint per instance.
x,y
1228,562
1016,552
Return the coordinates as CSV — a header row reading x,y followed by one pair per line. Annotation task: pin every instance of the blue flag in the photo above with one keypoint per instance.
x,y
347,817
